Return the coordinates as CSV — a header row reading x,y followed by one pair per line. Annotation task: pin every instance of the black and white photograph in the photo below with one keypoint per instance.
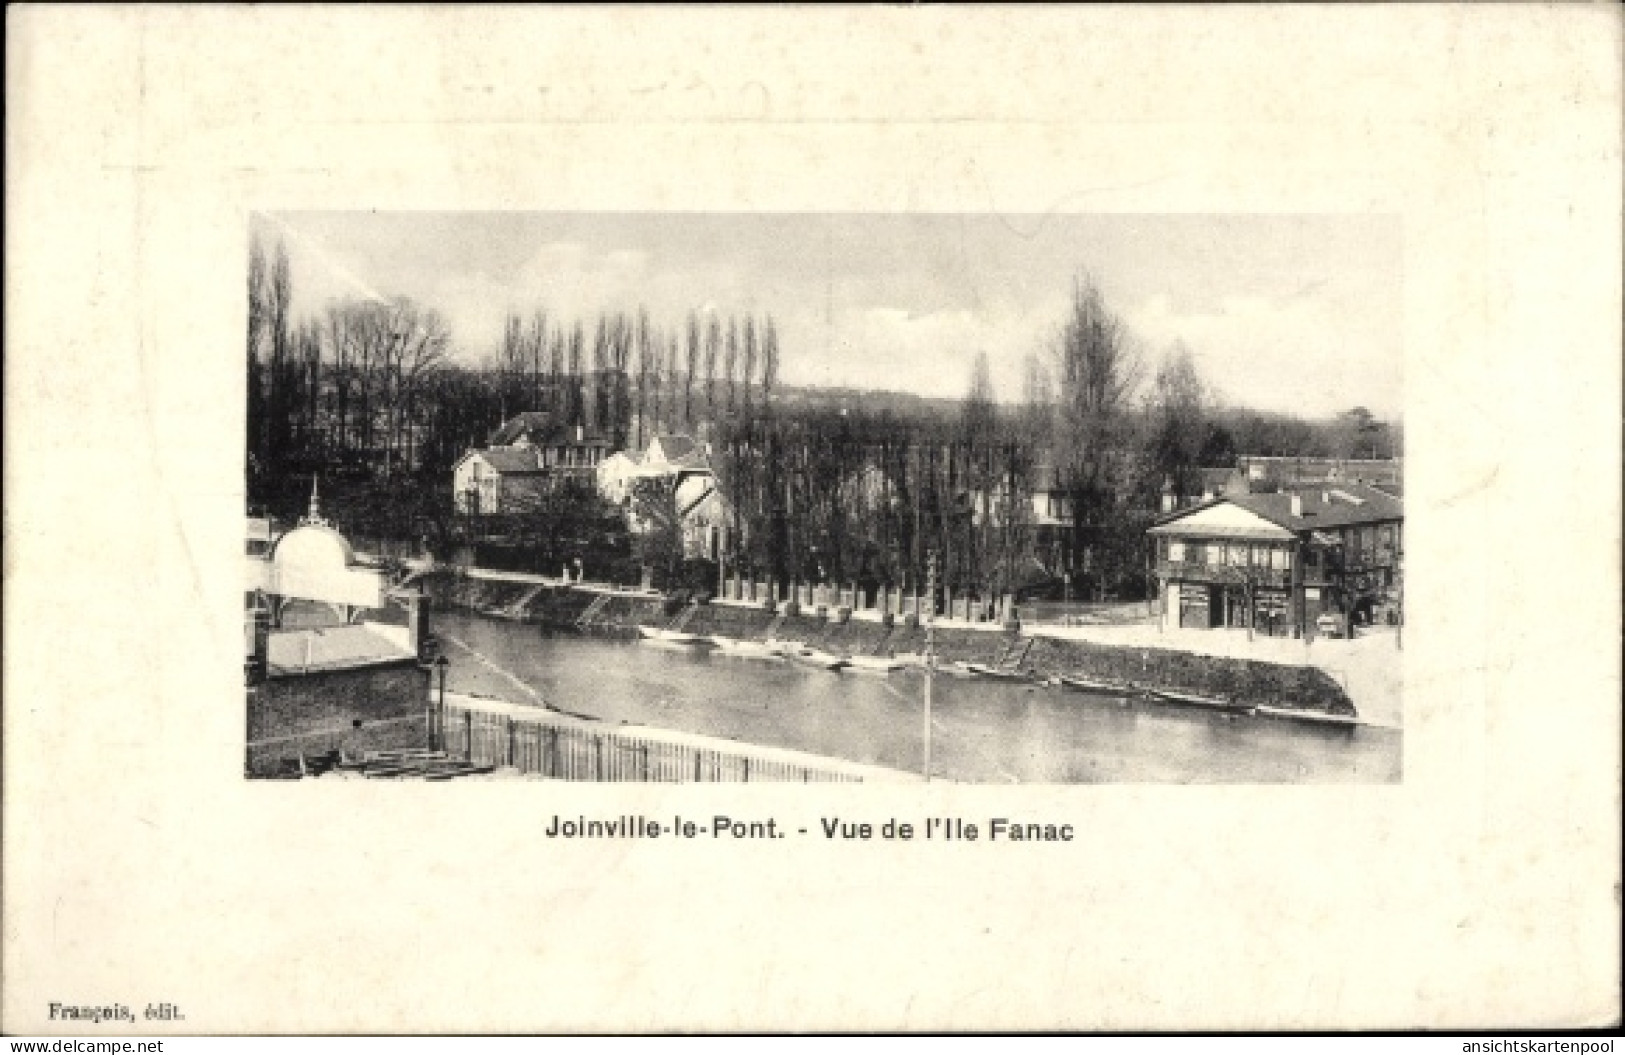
x,y
782,520
749,497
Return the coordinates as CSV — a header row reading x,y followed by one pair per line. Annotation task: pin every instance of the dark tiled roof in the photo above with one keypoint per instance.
x,y
1371,506
542,430
675,447
511,459
521,425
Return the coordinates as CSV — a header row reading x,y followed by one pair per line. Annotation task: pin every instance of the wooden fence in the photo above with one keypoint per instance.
x,y
566,752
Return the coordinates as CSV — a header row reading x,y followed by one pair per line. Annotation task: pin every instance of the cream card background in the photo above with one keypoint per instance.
x,y
140,867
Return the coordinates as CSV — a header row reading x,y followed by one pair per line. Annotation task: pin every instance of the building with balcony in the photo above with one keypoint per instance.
x,y
1276,562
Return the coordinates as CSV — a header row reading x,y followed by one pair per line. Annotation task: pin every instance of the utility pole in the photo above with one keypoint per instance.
x,y
930,650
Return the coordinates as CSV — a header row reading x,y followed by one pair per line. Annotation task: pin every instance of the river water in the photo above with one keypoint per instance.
x,y
982,732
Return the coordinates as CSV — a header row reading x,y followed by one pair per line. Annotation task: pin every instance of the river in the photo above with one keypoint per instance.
x,y
982,732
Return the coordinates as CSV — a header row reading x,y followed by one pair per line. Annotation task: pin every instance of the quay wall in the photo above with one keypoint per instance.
x,y
594,610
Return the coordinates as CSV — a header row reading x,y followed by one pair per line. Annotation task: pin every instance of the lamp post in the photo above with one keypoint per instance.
x,y
930,651
440,665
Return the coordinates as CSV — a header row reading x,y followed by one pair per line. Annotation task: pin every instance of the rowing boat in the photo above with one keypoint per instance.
x,y
982,670
1222,703
670,637
1312,717
1072,681
817,657
872,664
745,649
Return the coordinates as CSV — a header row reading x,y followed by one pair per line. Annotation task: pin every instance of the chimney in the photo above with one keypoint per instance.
x,y
1297,504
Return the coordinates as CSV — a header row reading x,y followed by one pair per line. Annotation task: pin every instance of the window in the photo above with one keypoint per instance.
x,y
1215,553
1176,551
1280,558
1237,552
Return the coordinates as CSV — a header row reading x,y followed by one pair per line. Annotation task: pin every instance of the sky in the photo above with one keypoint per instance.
x,y
1280,312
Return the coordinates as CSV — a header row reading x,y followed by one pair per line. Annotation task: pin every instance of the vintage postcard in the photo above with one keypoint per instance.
x,y
797,520
644,497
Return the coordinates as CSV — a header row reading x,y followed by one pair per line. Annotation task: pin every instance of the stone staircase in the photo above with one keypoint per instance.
x,y
588,614
516,609
1013,656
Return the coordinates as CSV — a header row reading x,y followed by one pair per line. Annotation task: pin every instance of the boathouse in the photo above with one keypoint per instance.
x,y
1277,562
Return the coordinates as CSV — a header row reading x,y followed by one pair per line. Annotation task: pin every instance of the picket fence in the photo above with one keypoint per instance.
x,y
568,752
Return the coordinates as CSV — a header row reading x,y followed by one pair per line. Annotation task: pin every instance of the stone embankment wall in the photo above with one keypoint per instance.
x,y
1249,681
365,709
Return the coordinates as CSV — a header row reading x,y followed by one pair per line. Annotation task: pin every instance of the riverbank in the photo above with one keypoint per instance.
x,y
985,731
1273,673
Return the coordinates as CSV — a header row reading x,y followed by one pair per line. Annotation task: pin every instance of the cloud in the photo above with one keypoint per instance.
x,y
1295,353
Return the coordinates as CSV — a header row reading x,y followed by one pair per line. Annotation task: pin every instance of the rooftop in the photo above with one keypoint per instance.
x,y
1331,506
511,459
542,429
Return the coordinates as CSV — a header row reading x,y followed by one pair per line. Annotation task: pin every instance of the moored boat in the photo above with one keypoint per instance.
x,y
1313,717
872,664
1100,685
670,637
733,646
817,657
983,670
1222,703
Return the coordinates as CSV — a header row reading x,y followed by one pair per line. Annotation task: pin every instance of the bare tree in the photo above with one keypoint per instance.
x,y
657,380
644,364
1177,417
511,364
1037,403
1098,370
556,356
535,345
673,384
748,363
691,367
730,363
573,381
713,342
770,358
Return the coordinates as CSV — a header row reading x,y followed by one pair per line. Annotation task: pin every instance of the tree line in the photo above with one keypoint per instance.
x,y
370,388
1058,485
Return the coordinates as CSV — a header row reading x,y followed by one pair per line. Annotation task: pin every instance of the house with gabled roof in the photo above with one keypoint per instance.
x,y
682,464
497,479
1276,562
528,454
670,448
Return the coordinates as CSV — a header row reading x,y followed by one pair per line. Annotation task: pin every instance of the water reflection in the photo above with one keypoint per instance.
x,y
983,732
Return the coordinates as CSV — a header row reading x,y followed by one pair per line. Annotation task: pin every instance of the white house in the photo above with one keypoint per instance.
x,y
616,474
701,514
527,454
677,460
497,479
